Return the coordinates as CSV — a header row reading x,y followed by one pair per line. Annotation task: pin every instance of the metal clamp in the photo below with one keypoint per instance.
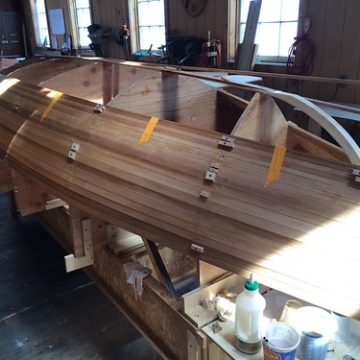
x,y
227,143
99,109
356,173
73,151
212,172
204,194
197,248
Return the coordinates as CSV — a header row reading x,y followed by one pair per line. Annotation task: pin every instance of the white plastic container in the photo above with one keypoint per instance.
x,y
250,305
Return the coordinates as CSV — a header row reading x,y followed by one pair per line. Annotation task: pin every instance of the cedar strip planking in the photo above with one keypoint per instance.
x,y
153,190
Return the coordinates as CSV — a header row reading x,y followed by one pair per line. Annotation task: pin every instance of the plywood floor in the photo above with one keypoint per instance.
x,y
48,314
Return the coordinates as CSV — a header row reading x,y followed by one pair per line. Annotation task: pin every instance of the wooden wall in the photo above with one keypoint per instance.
x,y
215,18
335,30
336,33
111,13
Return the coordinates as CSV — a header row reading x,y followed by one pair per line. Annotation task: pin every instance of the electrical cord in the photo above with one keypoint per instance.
x,y
304,65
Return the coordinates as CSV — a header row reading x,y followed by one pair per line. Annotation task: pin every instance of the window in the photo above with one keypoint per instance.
x,y
151,23
83,20
40,23
277,27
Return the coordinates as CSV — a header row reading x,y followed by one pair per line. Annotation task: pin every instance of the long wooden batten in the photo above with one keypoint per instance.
x,y
300,235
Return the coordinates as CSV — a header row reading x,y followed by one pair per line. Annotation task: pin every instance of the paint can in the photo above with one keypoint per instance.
x,y
343,328
280,342
316,327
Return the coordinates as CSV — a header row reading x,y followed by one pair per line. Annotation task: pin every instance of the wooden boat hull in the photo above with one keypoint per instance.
x,y
300,235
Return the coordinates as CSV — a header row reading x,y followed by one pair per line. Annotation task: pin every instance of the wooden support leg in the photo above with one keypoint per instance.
x,y
74,263
159,265
194,349
5,178
12,204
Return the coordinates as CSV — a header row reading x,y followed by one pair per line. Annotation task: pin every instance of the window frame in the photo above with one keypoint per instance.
x,y
272,58
75,24
135,27
34,16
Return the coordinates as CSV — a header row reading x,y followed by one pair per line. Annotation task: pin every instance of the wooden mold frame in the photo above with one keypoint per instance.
x,y
157,314
178,328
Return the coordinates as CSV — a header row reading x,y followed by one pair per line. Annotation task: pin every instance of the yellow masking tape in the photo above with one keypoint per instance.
x,y
275,165
57,96
145,137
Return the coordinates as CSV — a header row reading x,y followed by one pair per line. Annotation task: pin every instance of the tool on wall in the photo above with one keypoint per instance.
x,y
121,37
302,53
194,7
211,52
97,35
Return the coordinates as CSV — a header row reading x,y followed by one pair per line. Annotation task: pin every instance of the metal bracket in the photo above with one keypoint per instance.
x,y
227,143
212,172
55,203
73,151
99,109
71,262
356,173
204,194
197,248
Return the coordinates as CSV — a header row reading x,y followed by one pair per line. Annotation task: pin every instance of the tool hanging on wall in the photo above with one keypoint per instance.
x,y
194,7
121,37
211,52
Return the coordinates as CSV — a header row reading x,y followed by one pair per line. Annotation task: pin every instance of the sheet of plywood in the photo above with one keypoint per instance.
x,y
262,121
173,97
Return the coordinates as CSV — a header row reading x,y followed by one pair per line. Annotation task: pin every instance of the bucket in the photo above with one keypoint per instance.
x,y
317,328
280,342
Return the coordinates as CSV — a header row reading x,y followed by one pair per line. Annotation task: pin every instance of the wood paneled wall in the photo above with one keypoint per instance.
x,y
335,30
215,18
111,13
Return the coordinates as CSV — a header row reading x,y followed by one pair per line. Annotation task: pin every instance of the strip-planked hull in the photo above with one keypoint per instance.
x,y
300,235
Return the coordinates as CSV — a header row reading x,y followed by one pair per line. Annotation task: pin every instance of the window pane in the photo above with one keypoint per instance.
x,y
151,35
267,37
40,23
151,18
270,10
40,5
287,33
151,13
82,4
290,10
274,15
83,18
242,32
244,10
83,37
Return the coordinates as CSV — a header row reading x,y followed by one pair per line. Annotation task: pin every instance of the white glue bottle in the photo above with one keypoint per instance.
x,y
250,305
